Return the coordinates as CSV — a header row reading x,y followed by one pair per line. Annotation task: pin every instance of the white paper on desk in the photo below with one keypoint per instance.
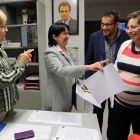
x,y
103,85
60,138
87,96
76,133
56,117
41,132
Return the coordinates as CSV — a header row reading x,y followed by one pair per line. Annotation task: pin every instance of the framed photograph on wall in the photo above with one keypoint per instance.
x,y
66,11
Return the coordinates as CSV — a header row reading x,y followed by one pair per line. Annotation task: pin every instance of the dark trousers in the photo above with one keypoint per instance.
x,y
74,96
100,112
123,117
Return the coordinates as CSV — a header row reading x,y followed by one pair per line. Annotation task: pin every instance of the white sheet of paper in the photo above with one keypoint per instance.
x,y
20,85
33,77
103,85
87,96
76,133
56,117
41,132
60,138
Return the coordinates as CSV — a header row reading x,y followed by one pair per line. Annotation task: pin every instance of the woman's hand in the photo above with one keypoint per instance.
x,y
25,56
96,66
83,88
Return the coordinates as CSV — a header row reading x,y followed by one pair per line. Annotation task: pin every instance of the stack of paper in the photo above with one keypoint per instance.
x,y
4,43
14,44
32,82
20,85
12,58
56,117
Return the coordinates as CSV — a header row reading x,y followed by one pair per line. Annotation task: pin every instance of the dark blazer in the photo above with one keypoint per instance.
x,y
97,47
72,24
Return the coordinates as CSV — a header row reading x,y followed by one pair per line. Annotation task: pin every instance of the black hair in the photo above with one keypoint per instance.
x,y
56,29
135,14
114,13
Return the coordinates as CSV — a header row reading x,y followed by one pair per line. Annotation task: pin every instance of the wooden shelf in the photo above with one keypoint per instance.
x,y
29,90
33,64
18,4
20,25
21,47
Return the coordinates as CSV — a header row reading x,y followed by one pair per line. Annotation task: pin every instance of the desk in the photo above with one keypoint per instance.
x,y
19,116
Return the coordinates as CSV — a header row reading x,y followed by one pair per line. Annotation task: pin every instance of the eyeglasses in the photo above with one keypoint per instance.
x,y
107,24
4,27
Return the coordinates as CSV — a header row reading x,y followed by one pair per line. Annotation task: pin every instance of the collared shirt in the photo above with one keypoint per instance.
x,y
67,22
9,73
110,48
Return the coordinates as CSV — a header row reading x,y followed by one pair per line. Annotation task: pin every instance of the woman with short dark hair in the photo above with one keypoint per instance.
x,y
62,74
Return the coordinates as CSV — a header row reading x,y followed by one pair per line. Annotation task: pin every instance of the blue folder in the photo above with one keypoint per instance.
x,y
2,125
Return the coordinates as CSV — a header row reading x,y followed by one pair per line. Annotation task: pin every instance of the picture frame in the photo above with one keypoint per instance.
x,y
66,11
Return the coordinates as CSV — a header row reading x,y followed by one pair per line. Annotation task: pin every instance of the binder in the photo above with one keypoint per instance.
x,y
24,36
24,16
31,83
32,35
36,88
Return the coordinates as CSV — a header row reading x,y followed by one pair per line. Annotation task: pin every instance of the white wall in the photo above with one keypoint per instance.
x,y
74,40
43,1
96,13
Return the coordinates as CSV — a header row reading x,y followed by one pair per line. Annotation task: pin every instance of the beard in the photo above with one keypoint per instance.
x,y
110,32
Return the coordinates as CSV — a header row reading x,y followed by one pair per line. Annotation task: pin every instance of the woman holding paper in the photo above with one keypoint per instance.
x,y
9,73
127,103
61,71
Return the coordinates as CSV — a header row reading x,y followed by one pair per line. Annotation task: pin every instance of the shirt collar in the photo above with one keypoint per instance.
x,y
60,50
119,32
67,22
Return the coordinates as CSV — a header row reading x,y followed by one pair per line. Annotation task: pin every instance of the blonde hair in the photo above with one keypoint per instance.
x,y
3,17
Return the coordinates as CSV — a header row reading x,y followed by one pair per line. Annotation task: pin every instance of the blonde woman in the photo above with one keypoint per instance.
x,y
9,73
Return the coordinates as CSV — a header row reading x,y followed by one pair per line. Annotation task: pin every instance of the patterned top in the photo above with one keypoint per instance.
x,y
128,66
9,73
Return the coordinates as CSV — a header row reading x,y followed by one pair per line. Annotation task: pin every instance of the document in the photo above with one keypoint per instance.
x,y
103,85
87,96
41,132
33,77
75,133
56,117
20,85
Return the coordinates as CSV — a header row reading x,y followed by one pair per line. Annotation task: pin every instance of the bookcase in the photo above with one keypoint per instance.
x,y
31,98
